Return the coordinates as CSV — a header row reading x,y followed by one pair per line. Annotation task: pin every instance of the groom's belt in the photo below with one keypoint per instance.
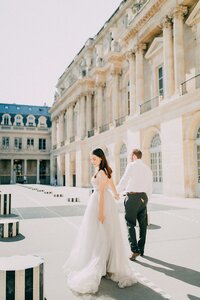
x,y
133,193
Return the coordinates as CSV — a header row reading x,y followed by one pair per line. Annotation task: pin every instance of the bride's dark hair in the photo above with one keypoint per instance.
x,y
104,164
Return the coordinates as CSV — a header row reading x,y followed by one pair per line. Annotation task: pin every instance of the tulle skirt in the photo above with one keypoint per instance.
x,y
99,249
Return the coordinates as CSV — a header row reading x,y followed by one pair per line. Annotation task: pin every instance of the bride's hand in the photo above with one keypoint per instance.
x,y
101,217
116,196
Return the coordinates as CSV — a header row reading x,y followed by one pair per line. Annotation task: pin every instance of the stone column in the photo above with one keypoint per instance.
x,y
59,171
172,157
139,61
52,169
11,171
68,175
79,170
70,122
25,168
82,117
179,61
168,58
115,95
61,128
38,172
53,133
89,112
65,127
99,86
131,59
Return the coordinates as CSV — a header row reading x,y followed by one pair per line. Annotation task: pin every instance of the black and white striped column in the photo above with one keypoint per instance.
x,y
21,278
5,204
73,199
9,228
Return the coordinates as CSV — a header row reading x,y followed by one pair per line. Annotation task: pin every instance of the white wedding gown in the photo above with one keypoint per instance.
x,y
99,248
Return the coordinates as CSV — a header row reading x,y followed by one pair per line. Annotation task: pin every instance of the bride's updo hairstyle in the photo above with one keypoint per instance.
x,y
104,164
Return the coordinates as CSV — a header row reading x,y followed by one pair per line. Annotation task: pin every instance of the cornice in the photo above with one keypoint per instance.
x,y
142,18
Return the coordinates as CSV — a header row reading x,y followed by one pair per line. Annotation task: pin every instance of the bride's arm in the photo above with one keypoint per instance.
x,y
102,184
113,188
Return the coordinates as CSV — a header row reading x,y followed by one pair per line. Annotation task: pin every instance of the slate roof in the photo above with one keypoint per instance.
x,y
25,110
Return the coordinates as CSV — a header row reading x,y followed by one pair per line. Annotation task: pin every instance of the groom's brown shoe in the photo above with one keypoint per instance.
x,y
134,256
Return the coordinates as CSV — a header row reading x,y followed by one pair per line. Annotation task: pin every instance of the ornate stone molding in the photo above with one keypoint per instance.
x,y
179,12
130,55
138,24
194,18
166,22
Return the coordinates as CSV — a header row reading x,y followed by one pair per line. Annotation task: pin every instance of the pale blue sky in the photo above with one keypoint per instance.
x,y
39,39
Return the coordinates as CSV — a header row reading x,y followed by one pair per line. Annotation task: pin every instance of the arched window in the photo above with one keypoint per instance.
x,y
30,120
42,121
156,159
198,155
18,120
6,119
123,159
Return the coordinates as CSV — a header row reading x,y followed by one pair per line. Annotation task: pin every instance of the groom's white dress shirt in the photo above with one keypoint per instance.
x,y
137,178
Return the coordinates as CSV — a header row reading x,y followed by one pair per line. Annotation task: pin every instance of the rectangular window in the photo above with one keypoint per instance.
x,y
5,142
30,143
160,81
18,143
42,144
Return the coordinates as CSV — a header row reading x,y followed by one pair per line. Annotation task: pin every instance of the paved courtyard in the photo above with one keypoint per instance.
x,y
170,268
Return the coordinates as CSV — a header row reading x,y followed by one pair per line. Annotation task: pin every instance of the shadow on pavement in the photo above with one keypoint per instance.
x,y
153,227
181,273
8,216
17,238
191,297
109,290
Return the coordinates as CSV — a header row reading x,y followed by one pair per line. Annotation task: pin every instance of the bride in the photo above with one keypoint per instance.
x,y
99,249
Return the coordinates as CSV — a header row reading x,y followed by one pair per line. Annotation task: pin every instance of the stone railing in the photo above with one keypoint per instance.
x,y
148,105
119,121
72,139
103,128
91,133
190,85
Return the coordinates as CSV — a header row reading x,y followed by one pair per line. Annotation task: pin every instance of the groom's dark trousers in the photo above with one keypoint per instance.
x,y
136,209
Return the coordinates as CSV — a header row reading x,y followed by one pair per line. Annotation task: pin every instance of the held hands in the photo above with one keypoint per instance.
x,y
101,216
116,196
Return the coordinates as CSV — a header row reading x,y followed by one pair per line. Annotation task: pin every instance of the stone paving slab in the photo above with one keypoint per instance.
x,y
170,269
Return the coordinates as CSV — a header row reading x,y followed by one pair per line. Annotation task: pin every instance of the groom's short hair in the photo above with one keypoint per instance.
x,y
137,152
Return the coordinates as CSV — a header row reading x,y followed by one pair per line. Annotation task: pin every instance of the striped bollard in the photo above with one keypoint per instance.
x,y
21,278
5,204
9,228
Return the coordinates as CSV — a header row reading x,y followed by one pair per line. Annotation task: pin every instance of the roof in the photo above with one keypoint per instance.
x,y
24,109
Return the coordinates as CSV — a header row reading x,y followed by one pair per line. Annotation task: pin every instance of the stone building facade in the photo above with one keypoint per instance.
x,y
135,84
24,144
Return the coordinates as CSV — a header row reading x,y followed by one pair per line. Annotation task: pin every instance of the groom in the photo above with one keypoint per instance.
x,y
137,183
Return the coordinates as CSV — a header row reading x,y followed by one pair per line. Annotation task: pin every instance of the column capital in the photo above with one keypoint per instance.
x,y
116,70
130,54
179,11
139,48
99,84
166,22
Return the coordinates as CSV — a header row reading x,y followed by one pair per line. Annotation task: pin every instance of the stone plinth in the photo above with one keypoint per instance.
x,y
58,195
5,204
9,228
21,277
73,199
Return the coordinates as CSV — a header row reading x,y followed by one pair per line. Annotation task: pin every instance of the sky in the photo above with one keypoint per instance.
x,y
39,39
